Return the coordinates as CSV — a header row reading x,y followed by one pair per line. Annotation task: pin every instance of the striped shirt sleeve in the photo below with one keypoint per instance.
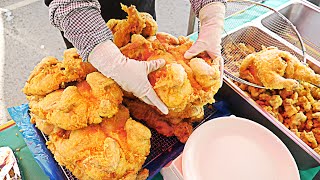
x,y
198,4
81,22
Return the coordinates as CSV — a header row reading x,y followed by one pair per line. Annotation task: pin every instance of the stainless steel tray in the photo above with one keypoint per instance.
x,y
243,106
305,16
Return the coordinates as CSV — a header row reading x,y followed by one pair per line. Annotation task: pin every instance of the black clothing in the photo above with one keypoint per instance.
x,y
111,9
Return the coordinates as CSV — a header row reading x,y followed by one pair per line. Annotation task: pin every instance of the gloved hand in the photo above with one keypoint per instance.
x,y
211,20
130,74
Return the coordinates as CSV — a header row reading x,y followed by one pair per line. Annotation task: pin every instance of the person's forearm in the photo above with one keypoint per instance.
x,y
81,23
198,4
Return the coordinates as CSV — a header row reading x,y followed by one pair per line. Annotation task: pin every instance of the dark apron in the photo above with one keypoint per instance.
x,y
111,9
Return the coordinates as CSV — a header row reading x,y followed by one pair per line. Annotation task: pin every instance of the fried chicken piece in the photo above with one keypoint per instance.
x,y
77,106
205,74
107,93
268,68
276,69
275,101
208,77
184,85
122,29
316,106
143,174
139,48
103,152
296,120
151,25
51,73
296,132
316,132
167,38
317,149
308,138
304,102
182,131
141,111
42,124
289,108
175,83
161,123
173,87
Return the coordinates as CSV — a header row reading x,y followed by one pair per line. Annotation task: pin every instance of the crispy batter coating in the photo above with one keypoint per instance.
x,y
184,85
114,149
151,25
75,107
89,131
276,69
181,81
122,29
297,109
267,68
163,124
173,87
51,73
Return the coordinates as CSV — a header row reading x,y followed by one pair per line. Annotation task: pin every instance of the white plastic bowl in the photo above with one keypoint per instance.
x,y
232,148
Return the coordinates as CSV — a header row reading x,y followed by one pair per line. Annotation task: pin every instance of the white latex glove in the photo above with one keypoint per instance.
x,y
130,74
211,20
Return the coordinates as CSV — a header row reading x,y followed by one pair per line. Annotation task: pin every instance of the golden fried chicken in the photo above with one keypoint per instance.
x,y
308,138
51,73
173,87
184,85
161,123
77,106
122,29
151,25
276,69
89,131
113,149
139,48
298,109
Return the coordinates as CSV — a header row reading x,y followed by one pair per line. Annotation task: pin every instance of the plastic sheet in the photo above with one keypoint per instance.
x,y
35,142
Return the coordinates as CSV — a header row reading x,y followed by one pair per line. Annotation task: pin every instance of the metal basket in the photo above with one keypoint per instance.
x,y
239,12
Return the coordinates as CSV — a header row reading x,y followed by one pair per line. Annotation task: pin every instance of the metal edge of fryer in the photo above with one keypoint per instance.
x,y
242,105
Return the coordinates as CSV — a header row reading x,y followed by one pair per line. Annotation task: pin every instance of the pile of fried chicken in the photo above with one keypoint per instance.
x,y
87,115
89,131
184,85
296,104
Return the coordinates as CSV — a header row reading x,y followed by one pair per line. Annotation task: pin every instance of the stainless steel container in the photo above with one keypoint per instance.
x,y
256,34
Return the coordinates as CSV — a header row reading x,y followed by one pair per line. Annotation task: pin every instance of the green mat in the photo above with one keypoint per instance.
x,y
29,168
